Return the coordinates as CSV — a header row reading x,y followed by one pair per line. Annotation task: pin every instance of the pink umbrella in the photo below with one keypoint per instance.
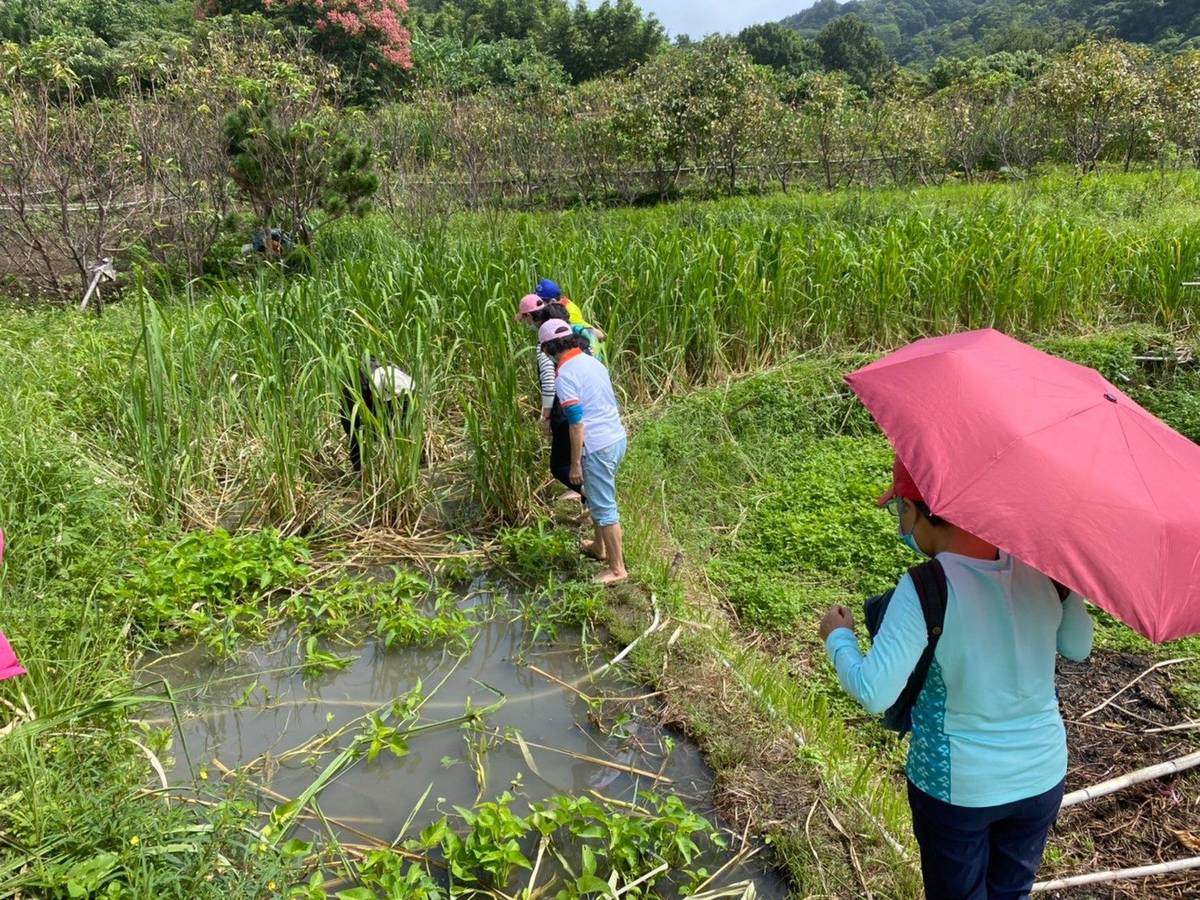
x,y
9,667
1051,463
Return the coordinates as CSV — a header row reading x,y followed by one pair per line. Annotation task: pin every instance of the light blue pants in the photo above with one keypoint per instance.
x,y
600,482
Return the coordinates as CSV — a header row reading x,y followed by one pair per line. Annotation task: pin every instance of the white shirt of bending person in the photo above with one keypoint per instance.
x,y
390,382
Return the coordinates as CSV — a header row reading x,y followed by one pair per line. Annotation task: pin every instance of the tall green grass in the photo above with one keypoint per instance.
x,y
238,390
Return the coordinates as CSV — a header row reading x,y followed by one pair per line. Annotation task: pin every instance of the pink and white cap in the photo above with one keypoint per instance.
x,y
529,304
553,329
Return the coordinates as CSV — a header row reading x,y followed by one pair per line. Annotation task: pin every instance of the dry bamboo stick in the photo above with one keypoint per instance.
x,y
1182,726
1179,865
1113,785
1160,665
594,760
275,795
654,624
737,859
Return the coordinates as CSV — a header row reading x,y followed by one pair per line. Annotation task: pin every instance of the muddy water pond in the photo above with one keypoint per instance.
x,y
550,729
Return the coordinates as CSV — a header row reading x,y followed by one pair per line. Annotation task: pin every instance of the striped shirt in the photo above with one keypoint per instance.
x,y
546,379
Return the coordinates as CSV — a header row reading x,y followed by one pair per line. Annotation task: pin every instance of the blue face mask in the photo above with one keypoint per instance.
x,y
911,543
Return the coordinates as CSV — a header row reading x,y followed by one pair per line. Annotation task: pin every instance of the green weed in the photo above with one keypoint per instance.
x,y
534,550
209,578
597,848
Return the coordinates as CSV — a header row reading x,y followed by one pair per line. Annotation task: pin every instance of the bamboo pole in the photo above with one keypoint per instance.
x,y
1179,865
583,757
1113,785
654,624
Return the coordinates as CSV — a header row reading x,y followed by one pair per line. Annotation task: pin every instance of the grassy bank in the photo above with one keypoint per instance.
x,y
751,504
182,410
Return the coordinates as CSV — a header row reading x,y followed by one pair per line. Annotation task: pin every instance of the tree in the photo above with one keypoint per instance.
x,y
514,66
848,45
364,38
1180,88
968,109
610,38
780,48
729,112
69,173
904,126
1098,94
1021,66
291,160
831,115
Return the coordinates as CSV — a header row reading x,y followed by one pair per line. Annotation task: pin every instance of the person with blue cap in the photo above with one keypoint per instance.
x,y
550,292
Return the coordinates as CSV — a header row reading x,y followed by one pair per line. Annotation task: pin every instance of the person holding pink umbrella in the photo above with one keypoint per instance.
x,y
9,666
1010,463
988,754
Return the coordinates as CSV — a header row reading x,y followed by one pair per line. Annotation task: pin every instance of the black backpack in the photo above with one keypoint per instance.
x,y
929,578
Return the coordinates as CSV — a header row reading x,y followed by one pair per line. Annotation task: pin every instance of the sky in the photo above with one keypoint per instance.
x,y
700,17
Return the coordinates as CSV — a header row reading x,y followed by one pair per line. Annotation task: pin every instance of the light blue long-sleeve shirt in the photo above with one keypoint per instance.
x,y
986,727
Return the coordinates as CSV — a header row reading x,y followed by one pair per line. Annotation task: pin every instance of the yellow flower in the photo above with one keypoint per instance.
x,y
134,841
271,886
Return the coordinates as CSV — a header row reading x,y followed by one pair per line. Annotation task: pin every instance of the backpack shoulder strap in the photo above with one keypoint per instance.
x,y
929,578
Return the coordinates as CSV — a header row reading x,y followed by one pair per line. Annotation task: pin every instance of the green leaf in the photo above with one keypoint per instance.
x,y
590,884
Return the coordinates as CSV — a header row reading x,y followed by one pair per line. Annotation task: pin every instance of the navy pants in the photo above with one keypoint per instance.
x,y
560,455
981,853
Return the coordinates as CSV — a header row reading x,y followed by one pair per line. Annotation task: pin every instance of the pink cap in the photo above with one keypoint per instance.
x,y
553,329
902,485
529,303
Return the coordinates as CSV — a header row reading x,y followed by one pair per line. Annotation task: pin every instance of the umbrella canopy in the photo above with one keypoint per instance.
x,y
1051,463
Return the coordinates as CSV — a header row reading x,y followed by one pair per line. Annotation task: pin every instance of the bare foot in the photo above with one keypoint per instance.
x,y
594,550
608,576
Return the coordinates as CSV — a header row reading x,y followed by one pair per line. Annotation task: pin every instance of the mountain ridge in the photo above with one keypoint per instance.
x,y
918,31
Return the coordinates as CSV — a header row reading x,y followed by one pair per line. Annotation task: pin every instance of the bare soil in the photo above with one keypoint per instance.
x,y
1157,821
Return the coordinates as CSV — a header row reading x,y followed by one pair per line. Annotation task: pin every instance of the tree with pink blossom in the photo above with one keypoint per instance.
x,y
364,38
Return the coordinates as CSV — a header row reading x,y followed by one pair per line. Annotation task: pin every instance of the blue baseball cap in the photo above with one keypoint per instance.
x,y
548,290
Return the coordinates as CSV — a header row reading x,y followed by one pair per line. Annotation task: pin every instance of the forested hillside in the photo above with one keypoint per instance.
x,y
917,31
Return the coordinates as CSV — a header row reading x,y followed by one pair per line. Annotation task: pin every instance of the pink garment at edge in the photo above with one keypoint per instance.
x,y
1051,463
9,667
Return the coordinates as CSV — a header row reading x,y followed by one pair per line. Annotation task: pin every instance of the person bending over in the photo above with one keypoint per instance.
x,y
598,438
534,312
381,389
